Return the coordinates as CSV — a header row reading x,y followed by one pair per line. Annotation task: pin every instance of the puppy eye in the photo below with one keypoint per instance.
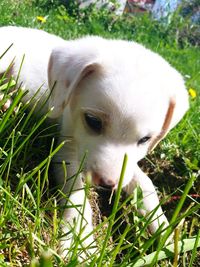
x,y
94,123
143,140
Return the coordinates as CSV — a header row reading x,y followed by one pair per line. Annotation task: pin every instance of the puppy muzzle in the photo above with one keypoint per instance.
x,y
104,182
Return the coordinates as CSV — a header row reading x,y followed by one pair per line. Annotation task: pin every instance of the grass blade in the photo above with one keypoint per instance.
x,y
168,252
114,210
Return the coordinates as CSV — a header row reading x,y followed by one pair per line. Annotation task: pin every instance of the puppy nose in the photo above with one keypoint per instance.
x,y
100,180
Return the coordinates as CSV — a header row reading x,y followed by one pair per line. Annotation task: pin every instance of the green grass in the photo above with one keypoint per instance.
x,y
29,213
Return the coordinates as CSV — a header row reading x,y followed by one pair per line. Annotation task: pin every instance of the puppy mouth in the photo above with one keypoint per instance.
x,y
105,188
91,178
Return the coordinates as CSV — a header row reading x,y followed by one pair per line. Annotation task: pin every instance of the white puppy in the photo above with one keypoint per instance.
x,y
111,97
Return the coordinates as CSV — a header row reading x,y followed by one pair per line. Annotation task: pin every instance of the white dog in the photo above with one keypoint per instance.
x,y
111,97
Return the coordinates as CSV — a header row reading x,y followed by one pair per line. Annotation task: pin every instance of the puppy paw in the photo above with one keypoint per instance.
x,y
6,103
158,222
83,243
161,223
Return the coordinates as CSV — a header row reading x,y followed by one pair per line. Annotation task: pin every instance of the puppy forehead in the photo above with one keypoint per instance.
x,y
124,93
133,107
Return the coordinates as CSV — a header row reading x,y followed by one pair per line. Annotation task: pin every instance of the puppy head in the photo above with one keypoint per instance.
x,y
122,98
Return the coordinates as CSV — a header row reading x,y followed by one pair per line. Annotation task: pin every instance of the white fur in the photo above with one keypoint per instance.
x,y
32,45
126,85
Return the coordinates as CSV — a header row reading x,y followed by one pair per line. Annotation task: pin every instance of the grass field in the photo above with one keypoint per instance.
x,y
29,213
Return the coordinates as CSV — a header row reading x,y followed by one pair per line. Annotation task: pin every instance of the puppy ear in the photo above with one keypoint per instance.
x,y
177,95
65,72
166,125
